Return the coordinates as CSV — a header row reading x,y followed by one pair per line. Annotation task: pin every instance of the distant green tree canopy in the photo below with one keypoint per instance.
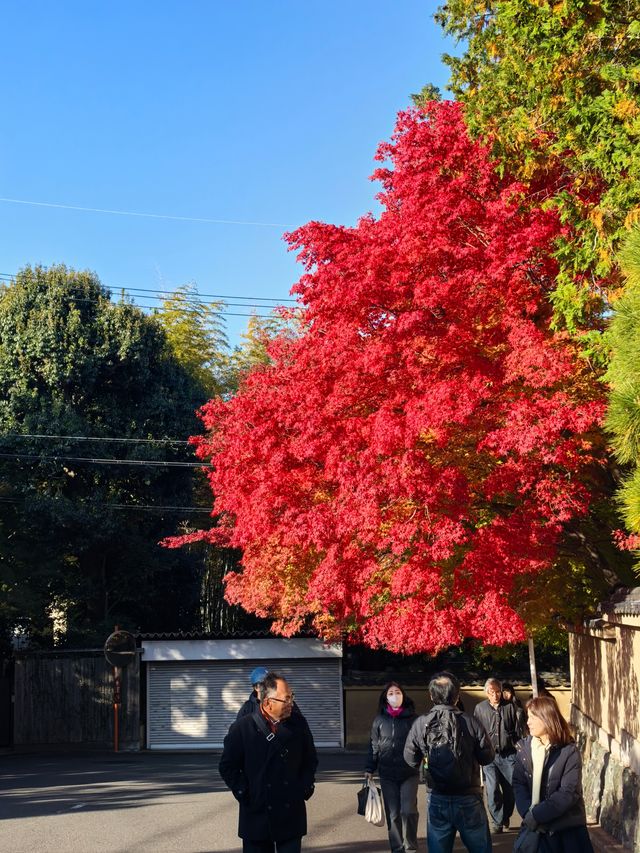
x,y
253,349
196,333
555,86
73,363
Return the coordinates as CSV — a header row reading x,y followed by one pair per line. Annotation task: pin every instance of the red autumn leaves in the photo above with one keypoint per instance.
x,y
418,448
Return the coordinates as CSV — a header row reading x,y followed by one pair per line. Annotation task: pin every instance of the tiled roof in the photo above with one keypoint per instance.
x,y
217,635
625,602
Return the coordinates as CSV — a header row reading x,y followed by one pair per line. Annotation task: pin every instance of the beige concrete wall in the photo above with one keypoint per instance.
x,y
361,705
605,668
606,678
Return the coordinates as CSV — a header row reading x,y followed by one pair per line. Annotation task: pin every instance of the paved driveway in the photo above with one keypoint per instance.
x,y
165,803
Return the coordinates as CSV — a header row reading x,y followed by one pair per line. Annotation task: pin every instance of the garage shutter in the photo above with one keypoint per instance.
x,y
192,704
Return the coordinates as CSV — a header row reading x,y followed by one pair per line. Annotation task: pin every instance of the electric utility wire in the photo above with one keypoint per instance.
x,y
186,299
6,276
221,313
144,215
48,436
222,306
145,507
32,457
210,295
83,299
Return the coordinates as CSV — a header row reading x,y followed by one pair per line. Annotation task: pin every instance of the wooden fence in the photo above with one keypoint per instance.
x,y
6,683
66,699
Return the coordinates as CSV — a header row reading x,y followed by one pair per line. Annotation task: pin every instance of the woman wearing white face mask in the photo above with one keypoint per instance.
x,y
399,781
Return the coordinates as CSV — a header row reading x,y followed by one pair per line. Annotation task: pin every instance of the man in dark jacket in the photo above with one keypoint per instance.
x,y
253,702
269,762
505,725
452,746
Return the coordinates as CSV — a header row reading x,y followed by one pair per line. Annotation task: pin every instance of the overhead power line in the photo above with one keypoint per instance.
x,y
145,507
144,215
32,457
151,508
221,313
93,438
222,306
196,296
6,276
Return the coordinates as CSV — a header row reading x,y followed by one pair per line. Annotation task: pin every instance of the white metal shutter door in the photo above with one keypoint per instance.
x,y
191,705
317,683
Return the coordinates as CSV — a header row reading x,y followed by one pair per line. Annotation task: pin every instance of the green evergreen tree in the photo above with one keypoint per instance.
x,y
623,421
80,539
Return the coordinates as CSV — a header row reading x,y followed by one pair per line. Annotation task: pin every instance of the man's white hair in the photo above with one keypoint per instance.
x,y
492,682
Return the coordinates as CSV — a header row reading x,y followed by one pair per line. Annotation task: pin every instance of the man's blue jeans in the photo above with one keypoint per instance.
x,y
465,814
498,780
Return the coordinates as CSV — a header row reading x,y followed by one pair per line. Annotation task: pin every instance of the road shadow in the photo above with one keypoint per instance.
x,y
45,785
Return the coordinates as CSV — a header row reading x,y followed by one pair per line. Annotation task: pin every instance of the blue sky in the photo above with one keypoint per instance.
x,y
252,112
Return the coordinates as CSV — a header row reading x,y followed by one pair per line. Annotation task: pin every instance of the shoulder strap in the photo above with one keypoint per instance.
x,y
261,725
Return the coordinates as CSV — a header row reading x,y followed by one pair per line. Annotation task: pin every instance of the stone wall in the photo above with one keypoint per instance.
x,y
360,707
605,710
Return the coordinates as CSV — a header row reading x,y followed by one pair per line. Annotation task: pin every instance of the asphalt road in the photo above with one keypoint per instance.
x,y
166,803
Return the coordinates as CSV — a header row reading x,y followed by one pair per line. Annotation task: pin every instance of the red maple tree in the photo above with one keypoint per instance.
x,y
418,448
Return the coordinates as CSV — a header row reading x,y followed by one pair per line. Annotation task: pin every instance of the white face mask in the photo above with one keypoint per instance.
x,y
394,699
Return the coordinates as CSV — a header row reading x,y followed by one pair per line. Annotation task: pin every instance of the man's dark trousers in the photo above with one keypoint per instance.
x,y
293,845
498,779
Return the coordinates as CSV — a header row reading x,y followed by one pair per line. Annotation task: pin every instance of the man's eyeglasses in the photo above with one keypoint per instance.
x,y
287,701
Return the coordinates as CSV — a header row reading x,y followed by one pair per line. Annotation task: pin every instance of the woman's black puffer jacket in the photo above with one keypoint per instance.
x,y
386,747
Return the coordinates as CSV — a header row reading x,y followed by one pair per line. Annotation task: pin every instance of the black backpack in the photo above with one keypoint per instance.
x,y
448,765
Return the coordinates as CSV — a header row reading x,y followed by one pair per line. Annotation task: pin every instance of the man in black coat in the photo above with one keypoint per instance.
x,y
269,762
253,702
505,725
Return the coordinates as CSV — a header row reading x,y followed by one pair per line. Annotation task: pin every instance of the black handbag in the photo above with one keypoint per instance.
x,y
527,841
363,793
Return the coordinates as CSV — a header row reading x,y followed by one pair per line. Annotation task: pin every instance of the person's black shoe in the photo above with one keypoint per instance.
x,y
496,830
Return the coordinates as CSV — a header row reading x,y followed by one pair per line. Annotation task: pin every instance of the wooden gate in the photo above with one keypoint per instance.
x,y
66,698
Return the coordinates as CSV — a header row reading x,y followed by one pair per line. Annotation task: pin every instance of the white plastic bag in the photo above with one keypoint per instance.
x,y
374,811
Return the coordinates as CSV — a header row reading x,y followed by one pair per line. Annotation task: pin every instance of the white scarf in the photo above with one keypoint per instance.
x,y
538,752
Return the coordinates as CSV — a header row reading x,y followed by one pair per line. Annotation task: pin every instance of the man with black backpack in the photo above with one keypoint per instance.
x,y
451,745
